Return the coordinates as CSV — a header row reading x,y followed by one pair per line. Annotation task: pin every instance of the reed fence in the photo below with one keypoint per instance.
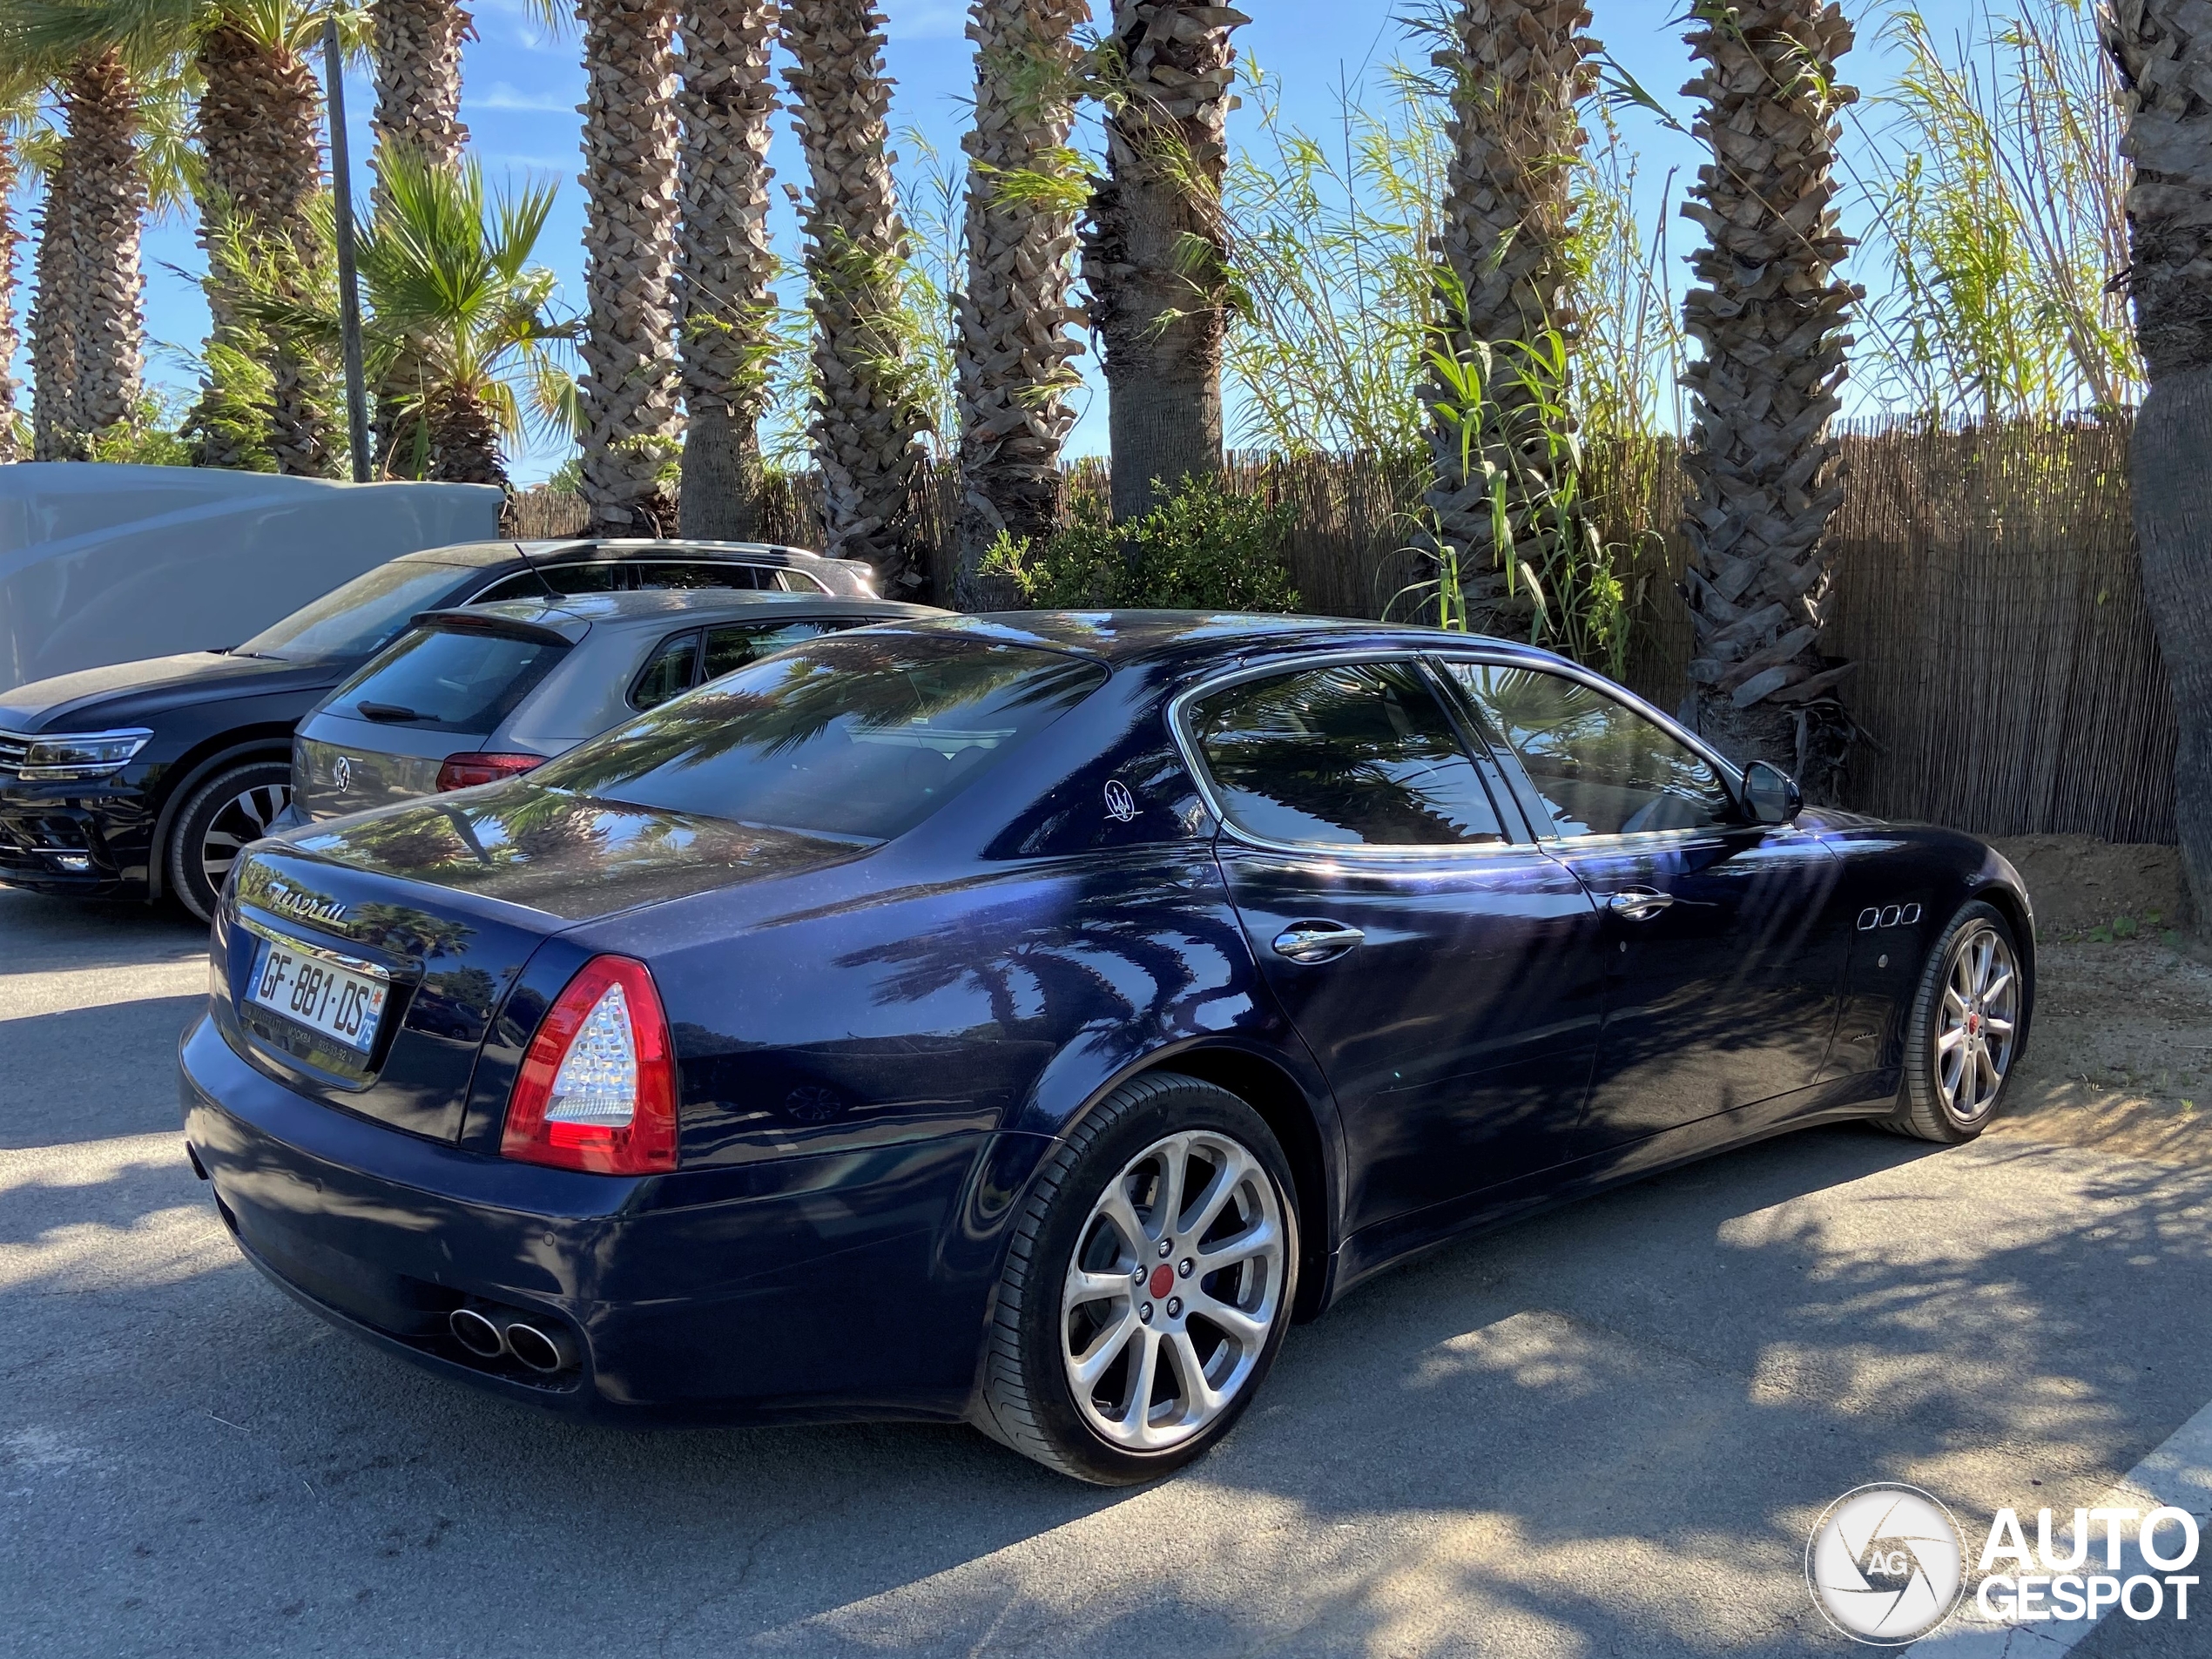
x,y
1985,581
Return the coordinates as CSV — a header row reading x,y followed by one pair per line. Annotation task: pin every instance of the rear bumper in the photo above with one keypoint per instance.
x,y
840,1286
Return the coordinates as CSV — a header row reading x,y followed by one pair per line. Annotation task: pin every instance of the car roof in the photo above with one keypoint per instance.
x,y
573,550
1187,638
572,614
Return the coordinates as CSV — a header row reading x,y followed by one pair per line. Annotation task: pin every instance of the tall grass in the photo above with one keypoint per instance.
x,y
1998,195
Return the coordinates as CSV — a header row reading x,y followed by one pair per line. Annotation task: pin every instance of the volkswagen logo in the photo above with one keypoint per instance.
x,y
1886,1564
341,774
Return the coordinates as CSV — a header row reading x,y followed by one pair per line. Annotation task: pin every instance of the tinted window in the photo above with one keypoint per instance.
x,y
736,644
792,582
366,614
1602,768
667,673
447,680
702,575
1359,754
568,579
863,736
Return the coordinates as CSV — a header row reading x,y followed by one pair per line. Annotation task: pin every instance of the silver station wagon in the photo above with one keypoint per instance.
x,y
466,697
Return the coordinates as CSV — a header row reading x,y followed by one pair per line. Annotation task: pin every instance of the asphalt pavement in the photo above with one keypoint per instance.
x,y
1606,1431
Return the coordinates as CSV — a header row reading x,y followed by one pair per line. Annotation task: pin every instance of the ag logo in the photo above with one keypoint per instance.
x,y
1886,1564
341,774
1120,806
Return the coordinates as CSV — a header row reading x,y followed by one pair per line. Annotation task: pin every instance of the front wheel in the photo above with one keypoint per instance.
x,y
1148,1285
1969,1019
233,807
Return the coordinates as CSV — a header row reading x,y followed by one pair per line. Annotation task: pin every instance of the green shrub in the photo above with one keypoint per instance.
x,y
1201,549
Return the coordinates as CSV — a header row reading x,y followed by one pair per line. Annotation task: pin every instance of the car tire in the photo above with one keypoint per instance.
x,y
219,817
1966,1030
1057,1307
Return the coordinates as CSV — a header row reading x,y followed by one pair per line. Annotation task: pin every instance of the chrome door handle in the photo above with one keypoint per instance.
x,y
1638,904
1316,941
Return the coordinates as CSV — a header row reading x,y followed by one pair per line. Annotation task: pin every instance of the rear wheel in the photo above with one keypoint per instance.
x,y
1969,1019
230,809
1148,1286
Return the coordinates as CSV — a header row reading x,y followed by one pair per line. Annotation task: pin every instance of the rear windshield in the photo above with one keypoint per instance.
x,y
447,680
863,736
365,615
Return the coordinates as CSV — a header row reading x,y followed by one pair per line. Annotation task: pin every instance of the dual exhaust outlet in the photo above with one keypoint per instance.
x,y
489,1335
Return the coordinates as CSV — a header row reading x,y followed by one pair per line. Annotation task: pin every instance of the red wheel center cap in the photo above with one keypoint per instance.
x,y
1974,1022
1162,1280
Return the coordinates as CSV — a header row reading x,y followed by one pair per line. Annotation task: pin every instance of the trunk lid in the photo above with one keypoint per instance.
x,y
341,765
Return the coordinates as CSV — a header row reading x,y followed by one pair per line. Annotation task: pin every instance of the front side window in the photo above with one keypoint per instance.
x,y
1601,768
701,573
448,680
863,736
1353,755
549,579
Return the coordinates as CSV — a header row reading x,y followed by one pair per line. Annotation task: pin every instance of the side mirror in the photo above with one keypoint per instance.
x,y
1771,794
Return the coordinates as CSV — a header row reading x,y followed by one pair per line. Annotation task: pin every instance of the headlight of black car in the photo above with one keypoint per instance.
x,y
64,757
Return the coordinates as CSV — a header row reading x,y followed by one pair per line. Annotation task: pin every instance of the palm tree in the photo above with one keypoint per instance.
x,y
19,107
627,406
1152,242
1770,315
2163,51
1013,345
55,431
1516,70
259,128
456,322
867,414
416,45
723,262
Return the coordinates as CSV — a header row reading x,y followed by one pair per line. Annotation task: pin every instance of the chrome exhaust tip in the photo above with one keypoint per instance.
x,y
542,1351
477,1333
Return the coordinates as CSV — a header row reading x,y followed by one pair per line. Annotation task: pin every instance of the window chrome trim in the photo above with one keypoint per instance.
x,y
1186,743
321,953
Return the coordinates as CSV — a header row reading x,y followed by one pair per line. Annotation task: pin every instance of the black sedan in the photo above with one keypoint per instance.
x,y
1023,1020
145,779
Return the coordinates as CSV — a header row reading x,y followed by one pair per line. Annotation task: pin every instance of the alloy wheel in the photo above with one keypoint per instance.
x,y
245,817
1976,1026
1172,1290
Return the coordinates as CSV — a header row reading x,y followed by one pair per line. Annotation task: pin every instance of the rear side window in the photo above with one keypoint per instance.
x,y
739,644
792,582
561,578
667,673
448,680
862,737
701,575
1351,755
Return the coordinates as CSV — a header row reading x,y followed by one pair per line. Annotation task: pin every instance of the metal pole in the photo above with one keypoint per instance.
x,y
349,298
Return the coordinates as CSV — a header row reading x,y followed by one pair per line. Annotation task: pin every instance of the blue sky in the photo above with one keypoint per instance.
x,y
521,88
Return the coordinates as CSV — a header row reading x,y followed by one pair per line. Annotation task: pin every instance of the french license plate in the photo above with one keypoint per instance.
x,y
334,1001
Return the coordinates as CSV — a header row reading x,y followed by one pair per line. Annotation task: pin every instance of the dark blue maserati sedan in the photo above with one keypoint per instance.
x,y
1023,1020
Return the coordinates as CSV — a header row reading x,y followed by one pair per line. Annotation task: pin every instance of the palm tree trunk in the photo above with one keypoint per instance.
x,y
107,207
56,433
417,48
865,420
724,263
261,132
2163,50
1013,345
629,153
1770,315
1152,244
10,440
1519,68
464,438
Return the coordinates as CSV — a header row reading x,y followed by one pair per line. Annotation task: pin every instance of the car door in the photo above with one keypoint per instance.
x,y
1725,939
1440,968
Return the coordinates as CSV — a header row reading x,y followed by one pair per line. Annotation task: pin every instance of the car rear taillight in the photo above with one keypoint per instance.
x,y
467,770
597,1087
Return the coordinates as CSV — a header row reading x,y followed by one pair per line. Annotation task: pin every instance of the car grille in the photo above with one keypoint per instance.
x,y
13,746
